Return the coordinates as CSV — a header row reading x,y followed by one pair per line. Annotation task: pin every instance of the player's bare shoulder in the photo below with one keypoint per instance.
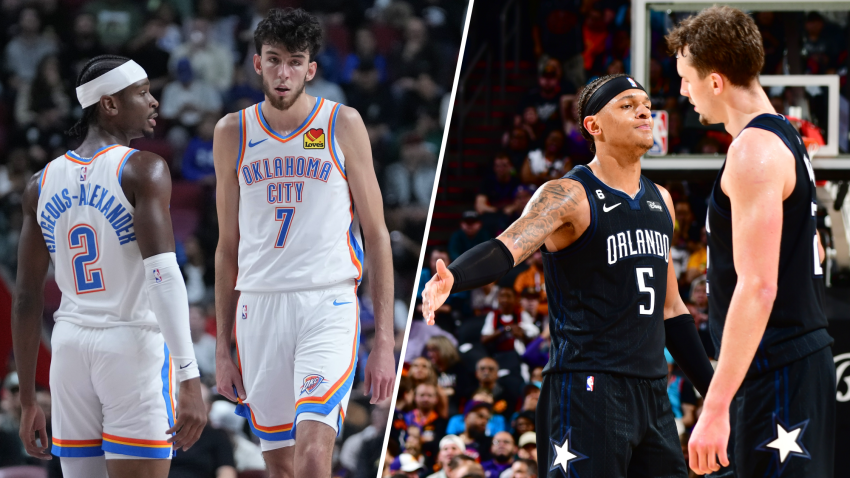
x,y
755,156
350,132
227,139
564,199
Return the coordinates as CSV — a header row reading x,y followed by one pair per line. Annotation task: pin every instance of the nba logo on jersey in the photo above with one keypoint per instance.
x,y
244,311
83,173
590,383
632,82
157,276
314,139
311,383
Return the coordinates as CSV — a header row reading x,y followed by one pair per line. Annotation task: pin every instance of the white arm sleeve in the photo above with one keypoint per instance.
x,y
170,304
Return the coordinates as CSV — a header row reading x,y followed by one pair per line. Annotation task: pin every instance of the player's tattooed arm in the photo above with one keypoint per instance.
x,y
556,204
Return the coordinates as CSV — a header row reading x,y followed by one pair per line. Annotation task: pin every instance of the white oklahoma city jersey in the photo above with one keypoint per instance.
x,y
87,225
297,225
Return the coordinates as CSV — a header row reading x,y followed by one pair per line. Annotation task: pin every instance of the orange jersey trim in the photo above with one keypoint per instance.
x,y
284,139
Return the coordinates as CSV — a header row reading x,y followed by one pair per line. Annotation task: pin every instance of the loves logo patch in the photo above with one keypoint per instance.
x,y
314,139
311,383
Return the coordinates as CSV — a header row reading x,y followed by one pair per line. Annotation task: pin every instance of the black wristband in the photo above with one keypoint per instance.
x,y
686,348
483,264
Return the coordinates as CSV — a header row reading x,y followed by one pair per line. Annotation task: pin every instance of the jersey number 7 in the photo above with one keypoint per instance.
x,y
284,215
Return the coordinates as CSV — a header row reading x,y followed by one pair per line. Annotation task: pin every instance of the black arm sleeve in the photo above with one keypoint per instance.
x,y
483,264
684,345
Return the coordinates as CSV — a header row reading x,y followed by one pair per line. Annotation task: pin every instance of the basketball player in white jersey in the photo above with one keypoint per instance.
x,y
100,214
295,183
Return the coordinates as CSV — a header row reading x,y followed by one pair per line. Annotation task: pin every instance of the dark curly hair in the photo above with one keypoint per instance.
x,y
96,67
585,96
293,28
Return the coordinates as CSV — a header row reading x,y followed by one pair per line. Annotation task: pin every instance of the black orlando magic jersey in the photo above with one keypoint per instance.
x,y
797,324
607,289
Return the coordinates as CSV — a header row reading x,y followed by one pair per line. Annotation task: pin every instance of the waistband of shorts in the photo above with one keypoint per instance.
x,y
346,285
106,325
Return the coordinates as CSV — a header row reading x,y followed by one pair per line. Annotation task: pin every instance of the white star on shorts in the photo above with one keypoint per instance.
x,y
564,454
786,442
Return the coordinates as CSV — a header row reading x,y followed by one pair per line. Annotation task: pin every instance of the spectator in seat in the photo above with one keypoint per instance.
x,y
485,299
463,466
198,163
368,98
468,236
529,301
117,21
450,447
26,49
476,416
408,466
517,147
495,425
502,451
557,35
425,417
416,55
211,62
524,422
533,278
443,355
509,328
352,447
496,200
524,468
187,99
548,163
550,97
47,85
365,49
527,444
210,457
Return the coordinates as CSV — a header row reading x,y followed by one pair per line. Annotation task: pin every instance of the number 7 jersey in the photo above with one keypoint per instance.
x,y
88,228
297,224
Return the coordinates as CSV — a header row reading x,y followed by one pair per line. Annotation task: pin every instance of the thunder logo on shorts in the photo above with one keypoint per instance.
x,y
311,383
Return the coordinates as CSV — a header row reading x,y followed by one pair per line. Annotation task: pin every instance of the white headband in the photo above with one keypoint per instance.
x,y
111,82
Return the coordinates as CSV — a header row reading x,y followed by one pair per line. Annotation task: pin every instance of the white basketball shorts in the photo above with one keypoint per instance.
x,y
297,354
111,392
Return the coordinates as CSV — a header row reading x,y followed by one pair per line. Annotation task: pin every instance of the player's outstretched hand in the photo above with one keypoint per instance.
x,y
380,373
436,291
32,423
708,441
228,380
191,415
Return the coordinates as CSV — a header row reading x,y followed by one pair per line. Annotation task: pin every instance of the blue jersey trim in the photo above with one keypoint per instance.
x,y
124,163
331,141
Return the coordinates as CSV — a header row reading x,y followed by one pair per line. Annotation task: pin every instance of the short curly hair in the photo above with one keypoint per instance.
x,y
720,39
293,28
585,96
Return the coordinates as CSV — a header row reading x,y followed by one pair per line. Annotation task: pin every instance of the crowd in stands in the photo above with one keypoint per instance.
x,y
392,60
466,405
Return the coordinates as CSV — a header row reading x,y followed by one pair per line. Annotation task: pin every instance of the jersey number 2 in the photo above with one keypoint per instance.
x,y
284,215
86,279
642,274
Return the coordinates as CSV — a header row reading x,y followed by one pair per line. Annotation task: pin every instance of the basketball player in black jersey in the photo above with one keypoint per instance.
x,y
765,281
605,234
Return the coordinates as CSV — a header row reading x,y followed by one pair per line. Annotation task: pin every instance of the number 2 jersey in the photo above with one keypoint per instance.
x,y
298,228
88,226
607,289
797,323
